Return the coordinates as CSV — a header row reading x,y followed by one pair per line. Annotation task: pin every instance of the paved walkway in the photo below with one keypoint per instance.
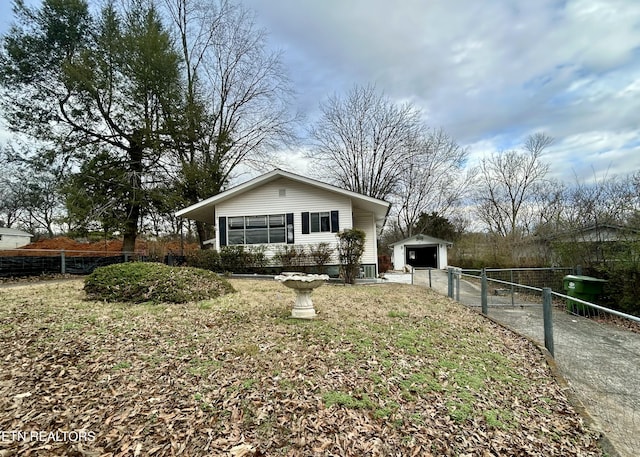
x,y
600,362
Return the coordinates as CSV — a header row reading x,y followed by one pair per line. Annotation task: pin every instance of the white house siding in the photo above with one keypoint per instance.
x,y
298,198
365,221
13,241
442,256
397,257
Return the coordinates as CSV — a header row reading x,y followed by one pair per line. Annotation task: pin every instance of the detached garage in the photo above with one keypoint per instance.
x,y
421,251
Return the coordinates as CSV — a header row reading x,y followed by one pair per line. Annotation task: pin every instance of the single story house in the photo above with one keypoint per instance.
x,y
280,208
586,244
420,251
12,238
600,233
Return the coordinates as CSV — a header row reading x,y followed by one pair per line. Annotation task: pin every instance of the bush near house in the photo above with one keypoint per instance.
x,y
139,282
243,259
350,250
307,259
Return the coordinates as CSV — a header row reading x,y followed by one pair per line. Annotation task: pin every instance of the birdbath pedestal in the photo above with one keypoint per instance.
x,y
303,285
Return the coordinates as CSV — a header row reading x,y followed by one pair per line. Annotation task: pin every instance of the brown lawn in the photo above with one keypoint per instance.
x,y
385,370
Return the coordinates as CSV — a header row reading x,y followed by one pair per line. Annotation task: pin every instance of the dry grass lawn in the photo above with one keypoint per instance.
x,y
385,370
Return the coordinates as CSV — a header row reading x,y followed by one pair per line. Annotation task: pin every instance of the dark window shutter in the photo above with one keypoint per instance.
x,y
290,236
334,222
305,223
222,229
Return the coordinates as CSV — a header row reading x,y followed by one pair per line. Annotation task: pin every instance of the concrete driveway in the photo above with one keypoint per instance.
x,y
600,362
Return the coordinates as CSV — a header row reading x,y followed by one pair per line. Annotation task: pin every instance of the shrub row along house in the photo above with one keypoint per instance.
x,y
280,209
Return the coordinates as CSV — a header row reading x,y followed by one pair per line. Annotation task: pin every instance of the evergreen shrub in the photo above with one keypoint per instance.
x,y
139,282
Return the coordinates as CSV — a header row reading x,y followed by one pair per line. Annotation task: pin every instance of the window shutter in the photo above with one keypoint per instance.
x,y
305,223
290,236
334,222
222,229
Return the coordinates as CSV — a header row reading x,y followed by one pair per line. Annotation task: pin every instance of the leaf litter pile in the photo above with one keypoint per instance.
x,y
384,370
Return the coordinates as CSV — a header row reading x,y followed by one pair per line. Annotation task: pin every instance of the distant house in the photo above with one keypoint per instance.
x,y
590,244
601,233
420,251
13,238
280,208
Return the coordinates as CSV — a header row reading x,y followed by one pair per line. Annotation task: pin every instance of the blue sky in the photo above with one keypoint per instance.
x,y
489,73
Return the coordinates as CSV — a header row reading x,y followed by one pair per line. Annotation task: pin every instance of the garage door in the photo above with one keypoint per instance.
x,y
421,256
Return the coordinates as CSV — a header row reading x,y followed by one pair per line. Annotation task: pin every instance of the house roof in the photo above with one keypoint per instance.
x,y
202,211
14,232
597,228
422,239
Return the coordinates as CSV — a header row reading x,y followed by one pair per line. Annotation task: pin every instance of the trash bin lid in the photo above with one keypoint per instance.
x,y
581,278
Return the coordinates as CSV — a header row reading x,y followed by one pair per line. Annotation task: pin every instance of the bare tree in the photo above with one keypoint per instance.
x,y
29,190
605,200
10,204
363,142
507,184
548,209
237,97
433,180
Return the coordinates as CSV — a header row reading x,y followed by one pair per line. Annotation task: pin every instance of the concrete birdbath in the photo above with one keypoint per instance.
x,y
303,285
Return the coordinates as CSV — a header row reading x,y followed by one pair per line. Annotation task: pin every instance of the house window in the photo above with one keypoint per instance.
x,y
320,222
256,229
325,221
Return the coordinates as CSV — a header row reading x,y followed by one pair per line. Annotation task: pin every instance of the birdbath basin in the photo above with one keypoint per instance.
x,y
303,285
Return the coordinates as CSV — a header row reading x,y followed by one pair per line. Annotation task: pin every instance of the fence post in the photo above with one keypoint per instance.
x,y
547,312
450,282
63,263
512,289
458,276
430,286
483,292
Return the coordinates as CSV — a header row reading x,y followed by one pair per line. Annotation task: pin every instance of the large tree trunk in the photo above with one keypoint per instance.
x,y
134,194
131,228
204,234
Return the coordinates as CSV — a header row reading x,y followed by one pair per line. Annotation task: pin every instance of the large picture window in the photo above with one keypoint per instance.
x,y
268,229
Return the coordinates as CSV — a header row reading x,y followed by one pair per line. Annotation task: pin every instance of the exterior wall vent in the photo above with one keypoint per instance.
x,y
282,192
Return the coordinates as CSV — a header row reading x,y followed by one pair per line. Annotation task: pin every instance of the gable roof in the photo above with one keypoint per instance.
x,y
14,232
422,239
202,211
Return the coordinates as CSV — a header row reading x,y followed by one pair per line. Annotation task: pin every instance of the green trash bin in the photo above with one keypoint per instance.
x,y
585,288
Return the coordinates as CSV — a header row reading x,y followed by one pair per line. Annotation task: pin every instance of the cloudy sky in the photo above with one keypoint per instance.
x,y
488,72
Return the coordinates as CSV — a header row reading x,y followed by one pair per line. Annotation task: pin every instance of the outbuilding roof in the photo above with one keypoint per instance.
x,y
422,239
13,232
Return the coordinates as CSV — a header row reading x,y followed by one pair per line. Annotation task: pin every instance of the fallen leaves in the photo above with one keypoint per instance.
x,y
386,370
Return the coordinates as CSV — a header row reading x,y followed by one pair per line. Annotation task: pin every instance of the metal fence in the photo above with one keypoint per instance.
x,y
32,262
597,349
